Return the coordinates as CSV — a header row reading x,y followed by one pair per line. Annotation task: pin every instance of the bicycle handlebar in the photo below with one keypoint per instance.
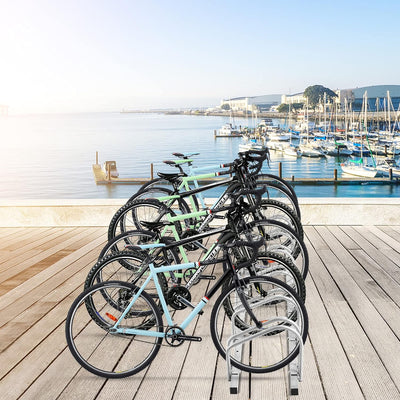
x,y
244,207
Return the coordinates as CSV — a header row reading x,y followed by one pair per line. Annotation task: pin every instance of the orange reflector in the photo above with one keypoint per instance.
x,y
111,317
270,261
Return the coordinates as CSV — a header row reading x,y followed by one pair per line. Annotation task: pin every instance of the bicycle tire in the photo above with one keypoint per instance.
x,y
113,268
267,352
283,213
136,212
276,191
158,191
100,351
282,239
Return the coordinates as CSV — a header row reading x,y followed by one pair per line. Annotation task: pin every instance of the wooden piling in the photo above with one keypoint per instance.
x,y
335,174
97,157
390,174
151,171
280,170
108,177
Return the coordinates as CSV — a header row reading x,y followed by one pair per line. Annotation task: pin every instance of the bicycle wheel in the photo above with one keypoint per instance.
x,y
154,192
266,349
96,347
125,266
279,238
271,265
280,181
278,211
276,191
131,216
124,239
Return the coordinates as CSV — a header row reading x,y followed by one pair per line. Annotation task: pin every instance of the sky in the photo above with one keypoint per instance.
x,y
86,55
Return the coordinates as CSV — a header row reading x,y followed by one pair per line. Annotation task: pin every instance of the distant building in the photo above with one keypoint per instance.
x,y
377,97
249,104
293,98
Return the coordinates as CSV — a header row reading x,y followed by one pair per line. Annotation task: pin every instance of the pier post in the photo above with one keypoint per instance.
x,y
335,174
151,171
390,174
109,172
97,157
280,170
292,178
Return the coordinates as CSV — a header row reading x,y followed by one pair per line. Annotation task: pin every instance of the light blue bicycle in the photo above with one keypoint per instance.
x,y
115,329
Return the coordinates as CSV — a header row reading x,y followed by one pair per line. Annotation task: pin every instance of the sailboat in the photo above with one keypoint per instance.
x,y
307,149
359,167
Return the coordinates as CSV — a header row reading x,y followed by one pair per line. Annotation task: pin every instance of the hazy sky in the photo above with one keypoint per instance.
x,y
87,55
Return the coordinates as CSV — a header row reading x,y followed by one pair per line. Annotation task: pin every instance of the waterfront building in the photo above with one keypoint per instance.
x,y
377,98
253,103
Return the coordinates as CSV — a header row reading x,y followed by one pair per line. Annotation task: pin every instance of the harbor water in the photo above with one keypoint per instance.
x,y
51,156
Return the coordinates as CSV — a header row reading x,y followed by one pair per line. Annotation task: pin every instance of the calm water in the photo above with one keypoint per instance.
x,y
51,156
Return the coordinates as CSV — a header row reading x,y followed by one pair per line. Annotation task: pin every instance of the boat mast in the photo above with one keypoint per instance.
x,y
345,118
389,101
325,114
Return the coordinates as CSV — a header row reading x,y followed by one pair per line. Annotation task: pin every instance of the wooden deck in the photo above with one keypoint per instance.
x,y
353,298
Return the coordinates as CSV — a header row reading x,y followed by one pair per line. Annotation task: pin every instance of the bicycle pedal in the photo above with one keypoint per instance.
x,y
190,338
208,277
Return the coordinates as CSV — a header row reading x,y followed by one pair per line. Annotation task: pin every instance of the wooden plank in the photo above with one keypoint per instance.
x,y
41,236
336,373
27,342
50,295
390,232
33,245
16,293
391,243
67,269
346,240
67,242
5,232
316,240
384,259
22,234
381,376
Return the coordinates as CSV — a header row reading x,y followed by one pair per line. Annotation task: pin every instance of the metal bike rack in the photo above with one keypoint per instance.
x,y
239,337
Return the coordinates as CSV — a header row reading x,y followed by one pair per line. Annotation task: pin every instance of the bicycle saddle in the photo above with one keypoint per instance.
x,y
169,177
153,225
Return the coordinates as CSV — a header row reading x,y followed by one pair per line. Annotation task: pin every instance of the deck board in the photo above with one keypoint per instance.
x,y
353,300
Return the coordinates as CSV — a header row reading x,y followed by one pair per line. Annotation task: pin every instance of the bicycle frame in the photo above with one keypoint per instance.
x,y
153,276
190,192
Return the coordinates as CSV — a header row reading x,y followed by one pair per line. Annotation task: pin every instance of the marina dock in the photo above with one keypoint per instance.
x,y
352,300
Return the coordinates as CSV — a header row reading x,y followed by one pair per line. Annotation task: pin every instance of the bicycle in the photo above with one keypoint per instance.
x,y
115,329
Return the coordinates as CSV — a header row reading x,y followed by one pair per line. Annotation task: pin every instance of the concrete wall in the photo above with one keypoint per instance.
x,y
98,212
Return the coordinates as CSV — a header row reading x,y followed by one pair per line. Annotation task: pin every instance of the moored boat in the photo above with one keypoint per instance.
x,y
386,165
359,168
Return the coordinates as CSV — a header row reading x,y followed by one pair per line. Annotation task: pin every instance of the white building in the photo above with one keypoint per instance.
x,y
249,104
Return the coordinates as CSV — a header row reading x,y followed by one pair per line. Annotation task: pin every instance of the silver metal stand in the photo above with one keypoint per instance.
x,y
239,337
